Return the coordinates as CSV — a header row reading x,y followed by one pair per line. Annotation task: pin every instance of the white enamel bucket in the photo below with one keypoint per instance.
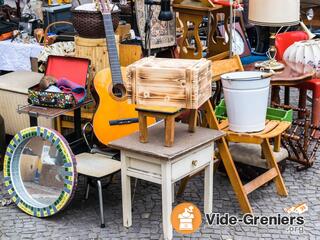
x,y
246,97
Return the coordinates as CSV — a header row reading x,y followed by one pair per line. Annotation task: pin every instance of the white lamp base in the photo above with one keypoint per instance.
x,y
270,65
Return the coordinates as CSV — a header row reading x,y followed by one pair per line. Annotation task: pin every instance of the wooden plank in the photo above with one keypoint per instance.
x,y
159,115
224,125
281,188
277,131
225,66
219,56
228,162
259,181
270,125
244,138
84,114
158,109
129,54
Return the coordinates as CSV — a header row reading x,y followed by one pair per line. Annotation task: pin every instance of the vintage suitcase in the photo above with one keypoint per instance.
x,y
182,83
71,68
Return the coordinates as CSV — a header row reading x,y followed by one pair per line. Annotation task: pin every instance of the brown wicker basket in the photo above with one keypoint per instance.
x,y
89,24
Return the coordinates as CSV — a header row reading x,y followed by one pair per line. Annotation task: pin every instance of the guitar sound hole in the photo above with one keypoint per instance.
x,y
119,91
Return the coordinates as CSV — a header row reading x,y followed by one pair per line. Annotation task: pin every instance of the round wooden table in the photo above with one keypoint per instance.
x,y
292,75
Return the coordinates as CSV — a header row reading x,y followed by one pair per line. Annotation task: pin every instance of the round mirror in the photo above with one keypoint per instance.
x,y
39,171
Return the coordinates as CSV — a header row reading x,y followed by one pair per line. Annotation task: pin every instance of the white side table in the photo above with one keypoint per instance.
x,y
191,153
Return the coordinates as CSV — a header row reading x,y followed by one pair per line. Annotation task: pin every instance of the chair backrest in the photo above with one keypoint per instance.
x,y
284,40
225,66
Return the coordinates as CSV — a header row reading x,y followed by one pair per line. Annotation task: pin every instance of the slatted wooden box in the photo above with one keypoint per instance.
x,y
182,83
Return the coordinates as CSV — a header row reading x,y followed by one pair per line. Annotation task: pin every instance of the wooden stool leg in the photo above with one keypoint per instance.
x,y
169,131
193,120
143,128
281,188
228,162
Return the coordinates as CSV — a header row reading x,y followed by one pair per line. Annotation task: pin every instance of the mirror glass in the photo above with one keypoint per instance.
x,y
41,171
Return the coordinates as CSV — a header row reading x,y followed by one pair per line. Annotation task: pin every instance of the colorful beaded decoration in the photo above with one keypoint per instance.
x,y
12,178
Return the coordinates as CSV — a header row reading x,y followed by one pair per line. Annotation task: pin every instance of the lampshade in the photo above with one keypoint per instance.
x,y
274,13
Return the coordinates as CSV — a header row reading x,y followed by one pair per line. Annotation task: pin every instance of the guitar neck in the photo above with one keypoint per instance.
x,y
112,49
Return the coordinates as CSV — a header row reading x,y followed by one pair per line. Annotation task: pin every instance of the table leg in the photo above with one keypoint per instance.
x,y
173,192
287,95
126,193
166,188
77,122
275,94
208,188
302,102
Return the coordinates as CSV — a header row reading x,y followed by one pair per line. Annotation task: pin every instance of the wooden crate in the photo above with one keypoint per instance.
x,y
182,83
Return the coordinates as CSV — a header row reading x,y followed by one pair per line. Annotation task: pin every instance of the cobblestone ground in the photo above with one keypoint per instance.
x,y
81,219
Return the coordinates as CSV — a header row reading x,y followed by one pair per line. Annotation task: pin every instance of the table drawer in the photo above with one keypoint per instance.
x,y
191,163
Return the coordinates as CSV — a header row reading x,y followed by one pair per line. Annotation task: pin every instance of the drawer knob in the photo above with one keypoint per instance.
x,y
194,163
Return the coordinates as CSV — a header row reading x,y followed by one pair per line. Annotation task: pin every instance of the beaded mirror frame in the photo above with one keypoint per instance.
x,y
12,176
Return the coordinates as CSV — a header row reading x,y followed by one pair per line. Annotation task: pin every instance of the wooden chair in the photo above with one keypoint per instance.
x,y
273,129
221,67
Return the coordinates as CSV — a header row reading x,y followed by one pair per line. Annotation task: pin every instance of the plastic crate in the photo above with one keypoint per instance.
x,y
272,113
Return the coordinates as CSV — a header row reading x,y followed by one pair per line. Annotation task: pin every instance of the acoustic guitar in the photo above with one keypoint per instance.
x,y
114,118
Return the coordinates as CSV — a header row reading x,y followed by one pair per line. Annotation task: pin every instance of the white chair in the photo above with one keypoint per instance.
x,y
95,166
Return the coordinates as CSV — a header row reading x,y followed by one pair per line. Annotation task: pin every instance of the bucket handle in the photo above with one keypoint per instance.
x,y
262,76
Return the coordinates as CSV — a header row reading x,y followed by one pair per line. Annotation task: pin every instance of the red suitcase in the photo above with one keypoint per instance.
x,y
71,68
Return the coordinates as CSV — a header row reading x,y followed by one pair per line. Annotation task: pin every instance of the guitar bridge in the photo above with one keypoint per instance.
x,y
123,121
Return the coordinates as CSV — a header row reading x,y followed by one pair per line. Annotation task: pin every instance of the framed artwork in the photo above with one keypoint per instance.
x,y
163,33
